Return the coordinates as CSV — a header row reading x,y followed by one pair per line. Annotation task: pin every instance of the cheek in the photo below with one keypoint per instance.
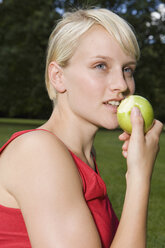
x,y
79,91
132,86
86,86
82,86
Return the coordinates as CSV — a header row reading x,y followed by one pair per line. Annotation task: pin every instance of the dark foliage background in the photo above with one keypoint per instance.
x,y
25,26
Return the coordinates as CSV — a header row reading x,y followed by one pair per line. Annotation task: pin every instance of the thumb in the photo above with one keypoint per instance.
x,y
137,123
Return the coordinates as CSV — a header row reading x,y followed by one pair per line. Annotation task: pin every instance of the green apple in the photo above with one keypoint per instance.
x,y
124,112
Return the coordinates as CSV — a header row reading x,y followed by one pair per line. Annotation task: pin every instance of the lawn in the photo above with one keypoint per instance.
x,y
112,167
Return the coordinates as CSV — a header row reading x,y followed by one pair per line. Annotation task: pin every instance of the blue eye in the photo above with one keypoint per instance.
x,y
101,66
128,71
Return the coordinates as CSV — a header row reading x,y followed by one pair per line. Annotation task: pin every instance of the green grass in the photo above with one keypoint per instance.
x,y
9,126
112,167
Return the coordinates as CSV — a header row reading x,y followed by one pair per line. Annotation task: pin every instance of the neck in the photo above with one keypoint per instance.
x,y
77,134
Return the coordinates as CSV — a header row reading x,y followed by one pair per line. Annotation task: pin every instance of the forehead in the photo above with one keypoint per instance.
x,y
96,41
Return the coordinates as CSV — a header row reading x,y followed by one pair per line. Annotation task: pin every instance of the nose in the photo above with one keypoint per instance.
x,y
117,82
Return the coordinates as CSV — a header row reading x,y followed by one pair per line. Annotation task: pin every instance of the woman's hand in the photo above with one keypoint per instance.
x,y
141,150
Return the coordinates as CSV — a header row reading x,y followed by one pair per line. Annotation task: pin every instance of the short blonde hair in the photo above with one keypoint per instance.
x,y
65,37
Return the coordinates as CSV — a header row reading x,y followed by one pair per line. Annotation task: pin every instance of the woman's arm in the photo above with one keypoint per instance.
x,y
48,189
47,186
140,152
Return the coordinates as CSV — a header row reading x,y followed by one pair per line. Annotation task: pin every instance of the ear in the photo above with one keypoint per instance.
x,y
55,77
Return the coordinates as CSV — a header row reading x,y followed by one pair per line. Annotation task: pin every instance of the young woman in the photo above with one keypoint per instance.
x,y
51,193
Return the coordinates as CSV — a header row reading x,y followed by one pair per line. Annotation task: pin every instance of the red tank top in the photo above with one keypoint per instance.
x,y
13,231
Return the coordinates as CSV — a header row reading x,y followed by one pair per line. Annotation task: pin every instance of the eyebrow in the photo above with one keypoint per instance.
x,y
101,57
131,62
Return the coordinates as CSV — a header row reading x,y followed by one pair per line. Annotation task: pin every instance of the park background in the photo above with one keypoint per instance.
x,y
25,26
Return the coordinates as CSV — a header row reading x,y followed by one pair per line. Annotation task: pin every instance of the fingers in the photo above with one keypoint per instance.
x,y
124,154
153,135
124,136
156,128
125,148
125,145
137,137
137,124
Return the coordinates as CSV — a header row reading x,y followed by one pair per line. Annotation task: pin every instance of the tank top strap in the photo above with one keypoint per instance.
x,y
19,133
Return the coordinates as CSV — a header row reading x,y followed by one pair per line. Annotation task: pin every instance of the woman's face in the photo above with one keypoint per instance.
x,y
98,76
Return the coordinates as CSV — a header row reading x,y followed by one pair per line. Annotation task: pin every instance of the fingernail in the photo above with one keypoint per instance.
x,y
136,111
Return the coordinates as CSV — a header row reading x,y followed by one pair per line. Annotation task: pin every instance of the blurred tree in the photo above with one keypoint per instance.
x,y
148,19
24,29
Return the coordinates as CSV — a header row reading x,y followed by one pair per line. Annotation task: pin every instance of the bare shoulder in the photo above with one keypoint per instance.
x,y
35,141
33,157
38,152
48,189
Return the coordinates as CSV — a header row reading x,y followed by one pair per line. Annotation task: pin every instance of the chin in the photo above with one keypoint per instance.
x,y
111,126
